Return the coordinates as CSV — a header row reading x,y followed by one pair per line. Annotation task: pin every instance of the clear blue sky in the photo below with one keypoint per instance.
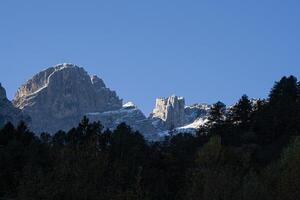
x,y
203,50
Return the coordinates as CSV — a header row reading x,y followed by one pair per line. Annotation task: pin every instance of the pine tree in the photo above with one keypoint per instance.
x,y
217,113
241,112
284,107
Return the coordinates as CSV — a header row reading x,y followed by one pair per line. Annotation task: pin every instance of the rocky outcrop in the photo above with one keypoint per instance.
x,y
171,111
58,97
196,111
8,113
171,116
106,100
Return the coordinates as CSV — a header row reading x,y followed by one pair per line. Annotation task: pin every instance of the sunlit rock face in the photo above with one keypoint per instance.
x,y
8,113
171,116
58,97
171,111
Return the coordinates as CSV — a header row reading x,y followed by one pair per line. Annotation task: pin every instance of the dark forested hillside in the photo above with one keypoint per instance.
x,y
250,152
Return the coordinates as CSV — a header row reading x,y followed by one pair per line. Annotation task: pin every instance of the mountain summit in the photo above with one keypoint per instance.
x,y
58,97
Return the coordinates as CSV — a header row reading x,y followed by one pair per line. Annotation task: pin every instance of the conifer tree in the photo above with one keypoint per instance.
x,y
217,113
283,107
241,112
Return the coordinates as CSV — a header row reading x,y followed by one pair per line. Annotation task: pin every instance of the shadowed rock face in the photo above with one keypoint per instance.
x,y
58,97
8,113
2,93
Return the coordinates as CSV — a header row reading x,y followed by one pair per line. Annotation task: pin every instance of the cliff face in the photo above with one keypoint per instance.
x,y
8,113
171,111
58,97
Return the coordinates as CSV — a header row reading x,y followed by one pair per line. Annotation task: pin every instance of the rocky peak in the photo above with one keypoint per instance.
x,y
59,96
170,110
58,77
65,65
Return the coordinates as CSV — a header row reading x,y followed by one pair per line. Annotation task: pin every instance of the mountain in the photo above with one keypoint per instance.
x,y
170,110
172,116
8,113
58,97
129,114
173,113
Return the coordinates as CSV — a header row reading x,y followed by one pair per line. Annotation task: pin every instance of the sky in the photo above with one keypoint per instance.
x,y
203,50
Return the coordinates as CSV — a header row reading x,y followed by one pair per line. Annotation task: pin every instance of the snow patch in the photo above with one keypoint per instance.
x,y
196,124
129,105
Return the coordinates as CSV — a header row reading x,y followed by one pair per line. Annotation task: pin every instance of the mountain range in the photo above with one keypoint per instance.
x,y
57,99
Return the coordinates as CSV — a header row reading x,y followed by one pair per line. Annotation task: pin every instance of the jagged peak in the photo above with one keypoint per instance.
x,y
41,80
62,66
176,97
170,97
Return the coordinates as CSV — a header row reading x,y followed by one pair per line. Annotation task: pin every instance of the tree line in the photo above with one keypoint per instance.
x,y
249,151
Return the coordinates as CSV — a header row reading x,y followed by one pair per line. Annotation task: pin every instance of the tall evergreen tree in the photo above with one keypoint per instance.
x,y
284,107
241,112
217,113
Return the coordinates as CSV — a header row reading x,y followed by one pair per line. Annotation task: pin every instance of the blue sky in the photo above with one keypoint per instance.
x,y
203,50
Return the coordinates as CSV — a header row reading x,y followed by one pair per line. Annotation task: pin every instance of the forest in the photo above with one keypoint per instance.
x,y
249,151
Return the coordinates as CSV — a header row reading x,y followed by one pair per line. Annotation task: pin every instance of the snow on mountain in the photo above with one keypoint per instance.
x,y
57,98
128,114
129,105
198,123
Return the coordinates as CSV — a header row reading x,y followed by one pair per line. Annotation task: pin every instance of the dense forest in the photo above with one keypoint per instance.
x,y
249,151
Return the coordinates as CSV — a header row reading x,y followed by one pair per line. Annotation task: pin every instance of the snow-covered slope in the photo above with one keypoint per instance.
x,y
153,128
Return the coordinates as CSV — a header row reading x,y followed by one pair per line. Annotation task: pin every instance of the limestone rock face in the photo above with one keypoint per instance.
x,y
8,113
106,100
58,97
171,111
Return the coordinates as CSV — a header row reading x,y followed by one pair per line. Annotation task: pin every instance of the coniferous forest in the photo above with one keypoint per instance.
x,y
251,151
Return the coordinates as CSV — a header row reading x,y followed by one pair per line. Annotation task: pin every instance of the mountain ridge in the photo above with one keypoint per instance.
x,y
58,97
